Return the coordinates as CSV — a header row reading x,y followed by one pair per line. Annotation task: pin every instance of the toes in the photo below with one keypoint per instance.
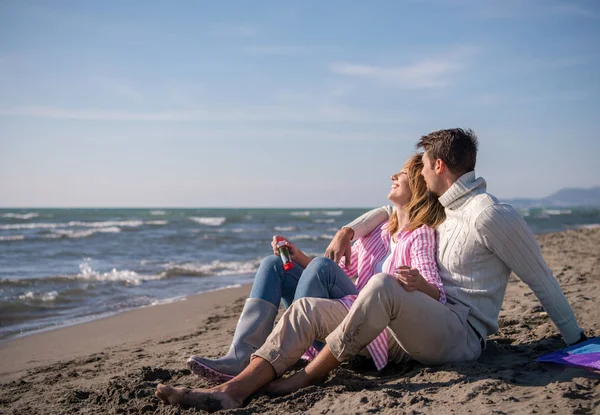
x,y
162,398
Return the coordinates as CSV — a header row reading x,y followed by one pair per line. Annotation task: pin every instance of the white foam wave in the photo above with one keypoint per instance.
x,y
332,212
104,224
130,277
303,237
310,237
217,267
167,301
301,213
156,222
556,212
284,228
20,215
37,296
589,226
85,233
158,212
12,238
210,221
324,220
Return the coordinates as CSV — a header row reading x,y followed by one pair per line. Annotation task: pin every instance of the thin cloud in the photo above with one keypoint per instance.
x,y
320,113
424,74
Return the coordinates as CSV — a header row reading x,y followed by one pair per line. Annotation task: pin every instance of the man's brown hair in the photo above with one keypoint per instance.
x,y
455,147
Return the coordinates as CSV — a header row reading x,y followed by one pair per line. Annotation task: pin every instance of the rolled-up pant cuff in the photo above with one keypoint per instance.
x,y
277,360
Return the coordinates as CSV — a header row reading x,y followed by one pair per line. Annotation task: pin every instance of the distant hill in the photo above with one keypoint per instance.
x,y
568,197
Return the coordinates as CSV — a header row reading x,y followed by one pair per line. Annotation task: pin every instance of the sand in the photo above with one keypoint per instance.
x,y
112,366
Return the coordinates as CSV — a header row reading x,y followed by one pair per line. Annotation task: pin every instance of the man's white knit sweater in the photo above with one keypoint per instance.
x,y
479,244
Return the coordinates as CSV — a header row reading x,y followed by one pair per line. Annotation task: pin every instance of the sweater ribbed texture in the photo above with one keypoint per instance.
x,y
479,244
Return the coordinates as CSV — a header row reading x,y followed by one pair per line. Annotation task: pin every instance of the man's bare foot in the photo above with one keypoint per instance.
x,y
210,400
290,384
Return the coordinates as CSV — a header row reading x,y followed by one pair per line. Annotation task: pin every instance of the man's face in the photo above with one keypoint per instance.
x,y
429,174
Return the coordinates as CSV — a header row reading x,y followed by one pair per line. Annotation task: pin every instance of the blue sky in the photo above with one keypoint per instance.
x,y
267,103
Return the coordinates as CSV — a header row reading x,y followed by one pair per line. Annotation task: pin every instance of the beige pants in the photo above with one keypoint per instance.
x,y
418,327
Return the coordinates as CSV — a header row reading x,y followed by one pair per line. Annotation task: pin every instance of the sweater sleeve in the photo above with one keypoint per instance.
x,y
423,257
367,222
504,232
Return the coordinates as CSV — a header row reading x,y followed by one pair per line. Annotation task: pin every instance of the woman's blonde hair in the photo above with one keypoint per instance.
x,y
423,208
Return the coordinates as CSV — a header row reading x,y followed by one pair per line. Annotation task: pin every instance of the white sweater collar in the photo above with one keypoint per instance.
x,y
459,192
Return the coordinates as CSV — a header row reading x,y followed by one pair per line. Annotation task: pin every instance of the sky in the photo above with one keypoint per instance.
x,y
288,104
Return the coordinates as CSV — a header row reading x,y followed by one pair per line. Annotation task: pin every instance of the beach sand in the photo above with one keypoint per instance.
x,y
112,366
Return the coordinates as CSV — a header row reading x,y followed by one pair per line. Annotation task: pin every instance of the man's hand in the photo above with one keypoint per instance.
x,y
410,278
340,246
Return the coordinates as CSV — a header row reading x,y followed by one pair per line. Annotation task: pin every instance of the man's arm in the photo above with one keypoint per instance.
x,y
504,232
363,225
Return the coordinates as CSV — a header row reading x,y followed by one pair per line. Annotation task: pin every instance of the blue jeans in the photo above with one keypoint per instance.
x,y
322,278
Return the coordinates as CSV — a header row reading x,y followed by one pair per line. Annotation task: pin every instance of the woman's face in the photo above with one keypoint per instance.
x,y
400,193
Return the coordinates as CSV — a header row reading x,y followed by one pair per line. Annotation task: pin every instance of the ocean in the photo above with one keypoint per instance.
x,y
65,266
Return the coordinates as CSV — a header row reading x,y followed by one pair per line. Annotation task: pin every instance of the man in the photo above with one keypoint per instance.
x,y
480,243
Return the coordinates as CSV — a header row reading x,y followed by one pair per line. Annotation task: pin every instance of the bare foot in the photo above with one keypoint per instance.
x,y
288,385
207,399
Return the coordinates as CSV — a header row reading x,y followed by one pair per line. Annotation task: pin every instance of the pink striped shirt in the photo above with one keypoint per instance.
x,y
416,249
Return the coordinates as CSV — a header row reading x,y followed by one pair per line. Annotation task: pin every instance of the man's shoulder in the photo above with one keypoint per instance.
x,y
490,209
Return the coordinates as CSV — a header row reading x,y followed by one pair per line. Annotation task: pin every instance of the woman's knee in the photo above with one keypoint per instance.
x,y
319,267
272,261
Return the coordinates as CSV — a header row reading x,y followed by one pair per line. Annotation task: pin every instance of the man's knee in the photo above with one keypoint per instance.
x,y
308,308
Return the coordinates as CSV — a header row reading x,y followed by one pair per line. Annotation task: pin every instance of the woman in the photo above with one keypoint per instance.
x,y
406,242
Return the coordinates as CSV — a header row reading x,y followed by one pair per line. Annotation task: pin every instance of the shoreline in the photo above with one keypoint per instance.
x,y
133,326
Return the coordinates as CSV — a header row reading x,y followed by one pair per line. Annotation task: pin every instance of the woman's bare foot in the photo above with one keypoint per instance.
x,y
210,400
290,384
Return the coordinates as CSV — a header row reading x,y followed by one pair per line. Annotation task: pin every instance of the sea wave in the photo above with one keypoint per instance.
x,y
284,228
214,268
39,296
210,221
332,212
158,212
12,238
130,277
156,222
20,215
300,213
68,233
305,237
103,224
324,220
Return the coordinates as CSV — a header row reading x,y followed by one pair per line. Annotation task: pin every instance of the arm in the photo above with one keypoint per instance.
x,y
504,232
363,225
367,222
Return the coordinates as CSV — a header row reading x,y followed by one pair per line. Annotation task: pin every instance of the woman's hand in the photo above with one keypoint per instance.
x,y
296,255
410,278
290,246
